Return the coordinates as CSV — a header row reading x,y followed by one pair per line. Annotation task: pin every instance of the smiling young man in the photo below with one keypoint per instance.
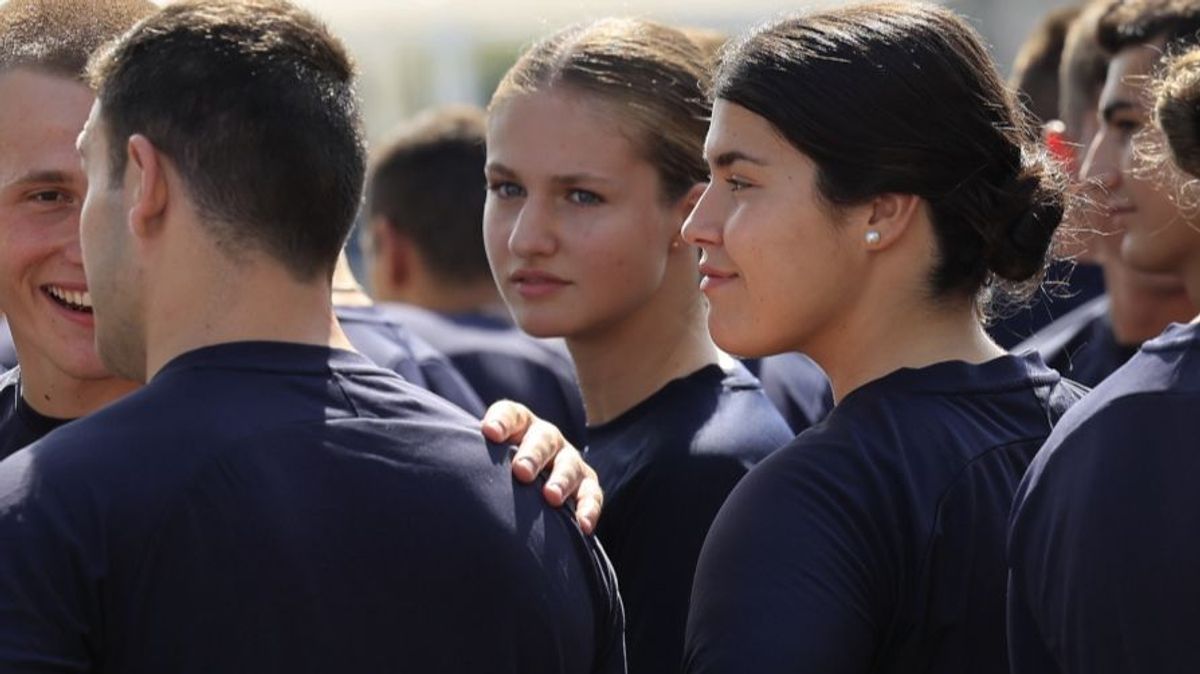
x,y
267,502
44,47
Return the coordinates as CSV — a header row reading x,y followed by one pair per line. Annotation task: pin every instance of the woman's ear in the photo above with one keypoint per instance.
x,y
889,217
682,209
689,200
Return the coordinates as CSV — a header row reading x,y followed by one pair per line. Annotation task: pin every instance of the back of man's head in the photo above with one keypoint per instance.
x,y
253,102
59,36
428,185
1129,23
1035,72
1083,69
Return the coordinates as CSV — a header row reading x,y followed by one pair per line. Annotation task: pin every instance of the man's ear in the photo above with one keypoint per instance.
x,y
145,176
889,217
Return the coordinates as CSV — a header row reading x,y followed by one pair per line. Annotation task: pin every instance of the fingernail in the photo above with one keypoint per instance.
x,y
556,488
529,464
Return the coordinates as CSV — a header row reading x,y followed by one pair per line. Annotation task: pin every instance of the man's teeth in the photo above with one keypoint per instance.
x,y
73,297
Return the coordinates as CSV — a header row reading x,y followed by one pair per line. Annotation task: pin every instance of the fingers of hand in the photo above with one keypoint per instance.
x,y
506,421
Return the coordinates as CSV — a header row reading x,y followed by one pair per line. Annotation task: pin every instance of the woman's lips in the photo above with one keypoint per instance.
x,y
532,284
713,278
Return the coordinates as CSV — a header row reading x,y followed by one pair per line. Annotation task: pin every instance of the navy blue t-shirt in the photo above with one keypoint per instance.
x,y
386,342
874,542
1072,285
501,362
796,385
20,424
666,466
1104,550
268,507
1081,345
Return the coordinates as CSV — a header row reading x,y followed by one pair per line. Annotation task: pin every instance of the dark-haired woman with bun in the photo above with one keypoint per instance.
x,y
874,184
1105,541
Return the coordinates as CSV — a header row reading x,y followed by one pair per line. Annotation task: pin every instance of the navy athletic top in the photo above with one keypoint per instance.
x,y
20,424
269,507
1081,345
501,362
1104,548
796,385
874,542
390,345
1073,286
666,467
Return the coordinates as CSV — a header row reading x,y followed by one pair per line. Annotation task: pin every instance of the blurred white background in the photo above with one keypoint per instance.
x,y
416,53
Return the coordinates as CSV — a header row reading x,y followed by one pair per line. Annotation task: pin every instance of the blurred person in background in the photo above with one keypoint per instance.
x,y
1092,341
1068,284
1103,547
385,338
429,271
594,160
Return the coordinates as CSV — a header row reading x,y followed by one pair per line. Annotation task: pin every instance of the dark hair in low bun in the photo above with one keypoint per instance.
x,y
903,97
1018,251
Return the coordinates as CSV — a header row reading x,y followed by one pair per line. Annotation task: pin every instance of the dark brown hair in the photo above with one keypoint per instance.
x,y
59,36
1084,66
1035,71
903,97
428,183
1132,22
253,101
654,73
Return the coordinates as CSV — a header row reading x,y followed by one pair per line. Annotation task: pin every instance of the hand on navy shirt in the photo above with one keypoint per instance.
x,y
542,445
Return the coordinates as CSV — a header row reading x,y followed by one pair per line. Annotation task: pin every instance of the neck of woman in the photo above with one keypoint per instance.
x,y
871,345
624,363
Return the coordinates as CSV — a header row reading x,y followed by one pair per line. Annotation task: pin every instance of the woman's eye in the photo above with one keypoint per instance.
x,y
584,198
736,185
507,190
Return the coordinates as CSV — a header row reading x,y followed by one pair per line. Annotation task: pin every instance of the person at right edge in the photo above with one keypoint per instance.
x,y
1103,547
1096,138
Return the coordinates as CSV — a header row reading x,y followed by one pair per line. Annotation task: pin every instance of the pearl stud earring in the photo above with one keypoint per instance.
x,y
872,237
